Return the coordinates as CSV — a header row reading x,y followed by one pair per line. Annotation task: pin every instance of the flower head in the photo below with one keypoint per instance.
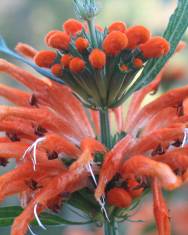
x,y
72,26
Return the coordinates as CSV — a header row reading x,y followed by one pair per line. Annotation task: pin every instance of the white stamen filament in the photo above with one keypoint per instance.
x,y
33,148
30,230
37,218
185,138
101,202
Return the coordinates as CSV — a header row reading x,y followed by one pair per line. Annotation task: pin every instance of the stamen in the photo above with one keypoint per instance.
x,y
37,218
33,148
185,138
30,230
102,200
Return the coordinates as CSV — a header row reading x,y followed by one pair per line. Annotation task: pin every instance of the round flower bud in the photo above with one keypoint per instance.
x,y
133,188
137,35
124,68
115,42
45,58
56,69
72,26
117,26
48,35
59,40
76,65
81,44
138,63
119,197
97,58
66,59
155,47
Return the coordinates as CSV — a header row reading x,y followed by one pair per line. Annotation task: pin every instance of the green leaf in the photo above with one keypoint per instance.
x,y
177,26
8,214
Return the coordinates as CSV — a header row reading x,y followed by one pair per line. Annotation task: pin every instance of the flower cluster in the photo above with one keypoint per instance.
x,y
99,64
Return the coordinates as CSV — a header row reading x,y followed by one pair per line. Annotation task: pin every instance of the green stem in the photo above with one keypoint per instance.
x,y
111,228
105,128
91,26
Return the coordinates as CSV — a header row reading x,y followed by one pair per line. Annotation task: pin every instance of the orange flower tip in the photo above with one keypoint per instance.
x,y
59,40
99,28
57,69
81,44
25,50
138,63
137,35
124,68
119,197
76,65
48,35
97,58
45,58
72,26
65,60
115,42
117,26
133,188
155,47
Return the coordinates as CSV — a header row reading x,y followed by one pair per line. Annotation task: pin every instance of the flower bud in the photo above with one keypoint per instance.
x,y
119,197
97,58
45,58
59,40
115,42
117,26
81,44
48,35
56,69
155,47
138,63
76,65
66,59
137,35
124,68
72,26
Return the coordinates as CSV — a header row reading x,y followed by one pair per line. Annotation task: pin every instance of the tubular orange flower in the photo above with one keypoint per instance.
x,y
45,58
115,42
97,58
117,26
59,40
57,70
81,44
155,47
137,35
66,59
26,50
72,26
76,65
119,197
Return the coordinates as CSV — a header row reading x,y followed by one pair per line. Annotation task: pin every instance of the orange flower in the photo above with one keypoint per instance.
x,y
137,35
26,50
81,44
138,63
117,26
124,68
76,65
155,47
57,70
115,42
119,197
59,40
72,26
45,58
66,59
49,34
97,58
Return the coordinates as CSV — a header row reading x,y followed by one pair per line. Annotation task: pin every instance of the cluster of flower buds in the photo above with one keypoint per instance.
x,y
99,72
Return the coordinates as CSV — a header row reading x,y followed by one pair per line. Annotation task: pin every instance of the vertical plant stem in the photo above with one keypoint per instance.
x,y
111,228
105,128
91,25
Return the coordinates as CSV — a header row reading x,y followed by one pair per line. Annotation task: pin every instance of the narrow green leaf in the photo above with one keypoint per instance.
x,y
177,26
8,214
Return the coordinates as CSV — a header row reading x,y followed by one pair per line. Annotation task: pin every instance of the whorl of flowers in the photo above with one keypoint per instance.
x,y
92,61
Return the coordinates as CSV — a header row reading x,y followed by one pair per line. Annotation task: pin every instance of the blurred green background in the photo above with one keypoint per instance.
x,y
29,20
